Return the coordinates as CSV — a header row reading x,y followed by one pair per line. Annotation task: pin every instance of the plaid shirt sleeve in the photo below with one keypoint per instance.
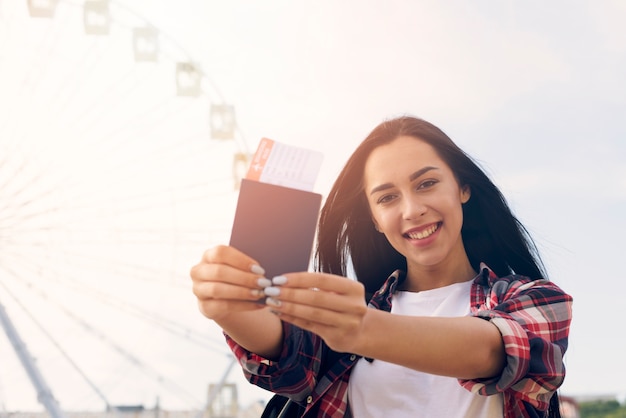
x,y
533,317
294,374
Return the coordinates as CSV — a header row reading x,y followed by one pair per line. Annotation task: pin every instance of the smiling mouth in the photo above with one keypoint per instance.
x,y
424,233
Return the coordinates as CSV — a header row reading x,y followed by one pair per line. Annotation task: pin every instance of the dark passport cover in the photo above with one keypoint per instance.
x,y
276,226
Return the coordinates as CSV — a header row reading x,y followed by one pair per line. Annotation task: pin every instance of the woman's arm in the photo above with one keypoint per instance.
x,y
259,332
229,287
333,307
462,347
533,317
514,342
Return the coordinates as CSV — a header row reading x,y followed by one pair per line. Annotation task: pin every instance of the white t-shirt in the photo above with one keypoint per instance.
x,y
381,389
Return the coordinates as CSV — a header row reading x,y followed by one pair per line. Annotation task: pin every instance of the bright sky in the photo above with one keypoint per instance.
x,y
534,90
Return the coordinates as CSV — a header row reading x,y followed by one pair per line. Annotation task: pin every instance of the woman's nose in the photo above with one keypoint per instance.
x,y
413,208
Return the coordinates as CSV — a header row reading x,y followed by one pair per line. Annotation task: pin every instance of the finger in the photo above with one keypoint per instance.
x,y
298,300
224,254
309,297
307,317
212,290
325,282
227,274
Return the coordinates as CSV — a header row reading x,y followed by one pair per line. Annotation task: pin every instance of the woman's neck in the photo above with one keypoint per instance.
x,y
420,278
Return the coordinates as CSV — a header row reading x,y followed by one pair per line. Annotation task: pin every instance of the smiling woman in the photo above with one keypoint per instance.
x,y
419,212
450,314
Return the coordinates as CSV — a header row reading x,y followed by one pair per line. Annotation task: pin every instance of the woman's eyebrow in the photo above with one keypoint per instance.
x,y
381,188
412,177
421,172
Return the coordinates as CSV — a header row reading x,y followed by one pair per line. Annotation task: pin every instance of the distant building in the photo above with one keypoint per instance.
x,y
222,402
569,407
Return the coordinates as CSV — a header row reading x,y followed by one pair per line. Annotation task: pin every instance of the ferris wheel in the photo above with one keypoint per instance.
x,y
119,161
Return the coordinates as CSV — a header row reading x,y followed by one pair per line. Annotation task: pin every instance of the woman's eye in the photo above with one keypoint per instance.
x,y
385,199
426,184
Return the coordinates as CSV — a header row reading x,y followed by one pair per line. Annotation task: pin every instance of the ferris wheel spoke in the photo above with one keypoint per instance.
x,y
58,346
114,177
117,347
73,283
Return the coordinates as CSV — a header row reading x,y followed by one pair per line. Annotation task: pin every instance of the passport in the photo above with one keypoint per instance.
x,y
277,213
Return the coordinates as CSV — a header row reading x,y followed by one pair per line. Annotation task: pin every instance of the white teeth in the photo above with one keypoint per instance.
x,y
423,234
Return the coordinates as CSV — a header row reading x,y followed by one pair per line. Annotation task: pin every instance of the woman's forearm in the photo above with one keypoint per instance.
x,y
259,332
465,347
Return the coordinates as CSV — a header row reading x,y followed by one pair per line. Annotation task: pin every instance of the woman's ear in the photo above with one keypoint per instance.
x,y
376,227
466,192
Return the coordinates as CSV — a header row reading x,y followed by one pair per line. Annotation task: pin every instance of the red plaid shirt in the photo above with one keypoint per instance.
x,y
532,316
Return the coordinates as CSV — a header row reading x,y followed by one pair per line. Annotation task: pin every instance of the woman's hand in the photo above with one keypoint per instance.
x,y
227,281
330,306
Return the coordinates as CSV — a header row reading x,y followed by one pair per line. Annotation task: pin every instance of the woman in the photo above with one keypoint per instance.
x,y
460,321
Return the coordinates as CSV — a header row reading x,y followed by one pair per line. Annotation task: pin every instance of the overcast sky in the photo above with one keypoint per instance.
x,y
533,90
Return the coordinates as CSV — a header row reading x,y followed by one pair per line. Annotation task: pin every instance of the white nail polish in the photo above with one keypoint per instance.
x,y
272,291
272,302
256,269
263,282
279,280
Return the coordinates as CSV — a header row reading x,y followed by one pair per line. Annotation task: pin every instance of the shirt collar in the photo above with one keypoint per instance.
x,y
382,298
485,276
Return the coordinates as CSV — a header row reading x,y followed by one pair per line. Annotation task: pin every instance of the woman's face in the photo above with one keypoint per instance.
x,y
415,200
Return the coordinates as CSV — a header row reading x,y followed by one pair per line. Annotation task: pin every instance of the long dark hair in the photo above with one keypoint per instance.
x,y
490,232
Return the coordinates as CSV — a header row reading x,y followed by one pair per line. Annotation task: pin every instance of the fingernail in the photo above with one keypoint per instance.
x,y
272,291
256,269
279,280
273,302
257,293
263,282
